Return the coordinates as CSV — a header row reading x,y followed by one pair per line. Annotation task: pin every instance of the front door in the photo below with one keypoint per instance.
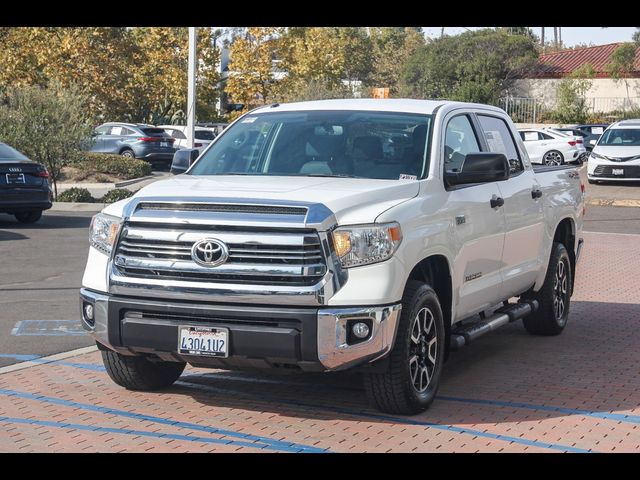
x,y
478,226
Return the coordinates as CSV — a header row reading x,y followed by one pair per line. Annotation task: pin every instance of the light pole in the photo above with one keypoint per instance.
x,y
191,90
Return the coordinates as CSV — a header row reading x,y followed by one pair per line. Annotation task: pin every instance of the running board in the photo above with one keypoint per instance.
x,y
509,313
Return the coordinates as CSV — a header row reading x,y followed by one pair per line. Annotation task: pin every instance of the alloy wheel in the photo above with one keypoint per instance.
x,y
560,292
423,350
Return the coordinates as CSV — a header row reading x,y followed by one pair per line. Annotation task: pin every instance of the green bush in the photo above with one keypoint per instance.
x,y
76,194
115,195
103,163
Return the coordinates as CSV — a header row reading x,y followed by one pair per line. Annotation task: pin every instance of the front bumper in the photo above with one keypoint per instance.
x,y
313,339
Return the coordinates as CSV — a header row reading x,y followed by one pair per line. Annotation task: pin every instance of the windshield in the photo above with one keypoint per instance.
x,y
621,137
364,144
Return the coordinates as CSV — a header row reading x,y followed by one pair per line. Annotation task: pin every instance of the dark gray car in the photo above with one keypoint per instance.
x,y
134,140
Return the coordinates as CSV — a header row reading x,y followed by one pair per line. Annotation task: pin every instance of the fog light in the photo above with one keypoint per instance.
x,y
360,330
88,312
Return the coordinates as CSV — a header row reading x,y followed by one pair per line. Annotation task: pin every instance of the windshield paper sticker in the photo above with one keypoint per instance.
x,y
404,176
249,120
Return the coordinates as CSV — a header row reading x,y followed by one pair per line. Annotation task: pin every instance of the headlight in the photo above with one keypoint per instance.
x,y
363,245
596,156
103,232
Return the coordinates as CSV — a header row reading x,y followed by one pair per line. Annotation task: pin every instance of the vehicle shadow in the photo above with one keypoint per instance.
x,y
48,221
4,235
507,376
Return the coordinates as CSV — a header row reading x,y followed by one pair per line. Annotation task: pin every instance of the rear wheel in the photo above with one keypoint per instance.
x,y
140,373
31,216
553,157
411,380
128,153
554,297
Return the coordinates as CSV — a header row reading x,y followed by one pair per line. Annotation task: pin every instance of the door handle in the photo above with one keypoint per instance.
x,y
536,193
497,202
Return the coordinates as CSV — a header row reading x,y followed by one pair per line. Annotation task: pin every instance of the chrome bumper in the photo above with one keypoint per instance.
x,y
333,350
325,328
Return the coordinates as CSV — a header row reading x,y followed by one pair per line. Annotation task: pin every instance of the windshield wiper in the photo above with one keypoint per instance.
x,y
330,175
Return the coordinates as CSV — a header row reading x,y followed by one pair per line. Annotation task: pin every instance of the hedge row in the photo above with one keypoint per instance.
x,y
82,195
104,163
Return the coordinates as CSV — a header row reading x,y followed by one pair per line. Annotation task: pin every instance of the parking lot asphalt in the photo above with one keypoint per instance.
x,y
507,392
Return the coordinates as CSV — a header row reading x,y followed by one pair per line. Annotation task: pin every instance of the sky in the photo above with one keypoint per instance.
x,y
570,35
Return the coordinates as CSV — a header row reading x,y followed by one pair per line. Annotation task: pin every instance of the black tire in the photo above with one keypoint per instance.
x,y
553,157
139,373
128,153
393,391
32,216
554,296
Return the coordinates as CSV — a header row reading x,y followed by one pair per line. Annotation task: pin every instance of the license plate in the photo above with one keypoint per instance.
x,y
15,178
164,144
204,341
617,171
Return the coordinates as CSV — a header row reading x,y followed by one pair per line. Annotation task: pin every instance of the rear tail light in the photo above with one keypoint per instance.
x,y
148,139
41,173
579,140
572,143
196,145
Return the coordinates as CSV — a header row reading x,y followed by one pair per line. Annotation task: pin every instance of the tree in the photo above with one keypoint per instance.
x,y
571,105
251,79
477,66
46,124
636,36
621,64
391,48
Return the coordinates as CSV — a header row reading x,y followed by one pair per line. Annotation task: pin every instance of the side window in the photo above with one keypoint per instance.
x,y
102,130
460,139
127,131
544,136
528,136
117,130
499,140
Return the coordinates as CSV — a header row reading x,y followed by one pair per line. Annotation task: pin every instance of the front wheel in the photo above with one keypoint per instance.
x,y
554,297
31,216
140,373
411,380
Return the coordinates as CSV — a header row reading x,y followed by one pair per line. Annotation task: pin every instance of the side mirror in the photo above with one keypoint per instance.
x,y
183,159
480,168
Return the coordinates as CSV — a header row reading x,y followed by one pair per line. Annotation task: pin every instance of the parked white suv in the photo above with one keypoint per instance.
x,y
550,147
616,155
202,136
331,235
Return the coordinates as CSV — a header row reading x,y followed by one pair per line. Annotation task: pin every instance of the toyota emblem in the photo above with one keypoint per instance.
x,y
209,252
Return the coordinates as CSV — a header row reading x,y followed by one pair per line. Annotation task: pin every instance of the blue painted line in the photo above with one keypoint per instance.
x,y
48,328
24,358
281,445
407,421
621,417
140,433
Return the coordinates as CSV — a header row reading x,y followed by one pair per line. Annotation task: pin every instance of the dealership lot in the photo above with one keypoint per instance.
x,y
509,391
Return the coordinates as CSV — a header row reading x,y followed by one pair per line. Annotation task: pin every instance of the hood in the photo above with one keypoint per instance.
x,y
617,151
352,200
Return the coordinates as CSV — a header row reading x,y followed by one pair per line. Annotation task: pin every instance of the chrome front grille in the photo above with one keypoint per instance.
x,y
256,256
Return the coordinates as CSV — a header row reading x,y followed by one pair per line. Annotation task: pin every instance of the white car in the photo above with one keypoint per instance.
x,y
550,147
616,155
203,136
296,242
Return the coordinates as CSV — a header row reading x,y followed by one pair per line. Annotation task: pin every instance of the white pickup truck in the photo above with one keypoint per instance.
x,y
330,235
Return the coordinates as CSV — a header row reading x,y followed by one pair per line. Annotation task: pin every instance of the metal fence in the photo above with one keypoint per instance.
x,y
530,110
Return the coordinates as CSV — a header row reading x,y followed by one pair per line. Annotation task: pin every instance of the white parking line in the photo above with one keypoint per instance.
x,y
49,359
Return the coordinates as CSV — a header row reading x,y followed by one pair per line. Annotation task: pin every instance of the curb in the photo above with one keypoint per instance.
x,y
610,202
125,183
77,207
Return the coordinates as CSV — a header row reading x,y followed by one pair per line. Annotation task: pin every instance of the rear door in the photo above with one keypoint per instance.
x,y
479,229
523,209
113,139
